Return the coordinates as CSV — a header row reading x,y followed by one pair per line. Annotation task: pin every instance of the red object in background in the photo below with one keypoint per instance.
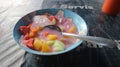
x,y
111,7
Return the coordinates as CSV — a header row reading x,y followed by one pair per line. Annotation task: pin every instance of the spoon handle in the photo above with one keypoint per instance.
x,y
97,40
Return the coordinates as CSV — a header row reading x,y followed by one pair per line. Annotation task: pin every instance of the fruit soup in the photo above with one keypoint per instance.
x,y
36,37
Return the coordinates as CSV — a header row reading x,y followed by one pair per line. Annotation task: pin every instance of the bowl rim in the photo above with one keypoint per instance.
x,y
51,53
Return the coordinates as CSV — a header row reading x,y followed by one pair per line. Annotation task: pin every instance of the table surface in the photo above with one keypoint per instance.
x,y
85,55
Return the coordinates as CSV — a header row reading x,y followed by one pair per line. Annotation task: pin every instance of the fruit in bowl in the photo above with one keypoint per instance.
x,y
34,38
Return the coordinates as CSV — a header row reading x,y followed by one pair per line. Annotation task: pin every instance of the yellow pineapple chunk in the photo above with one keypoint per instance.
x,y
52,37
45,48
72,29
37,44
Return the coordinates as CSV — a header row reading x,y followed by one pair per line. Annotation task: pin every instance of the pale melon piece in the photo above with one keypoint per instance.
x,y
58,46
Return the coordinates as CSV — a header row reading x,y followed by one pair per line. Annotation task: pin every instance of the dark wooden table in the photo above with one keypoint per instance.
x,y
87,54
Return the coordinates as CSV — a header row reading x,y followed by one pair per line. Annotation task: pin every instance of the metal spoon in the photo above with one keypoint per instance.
x,y
96,40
